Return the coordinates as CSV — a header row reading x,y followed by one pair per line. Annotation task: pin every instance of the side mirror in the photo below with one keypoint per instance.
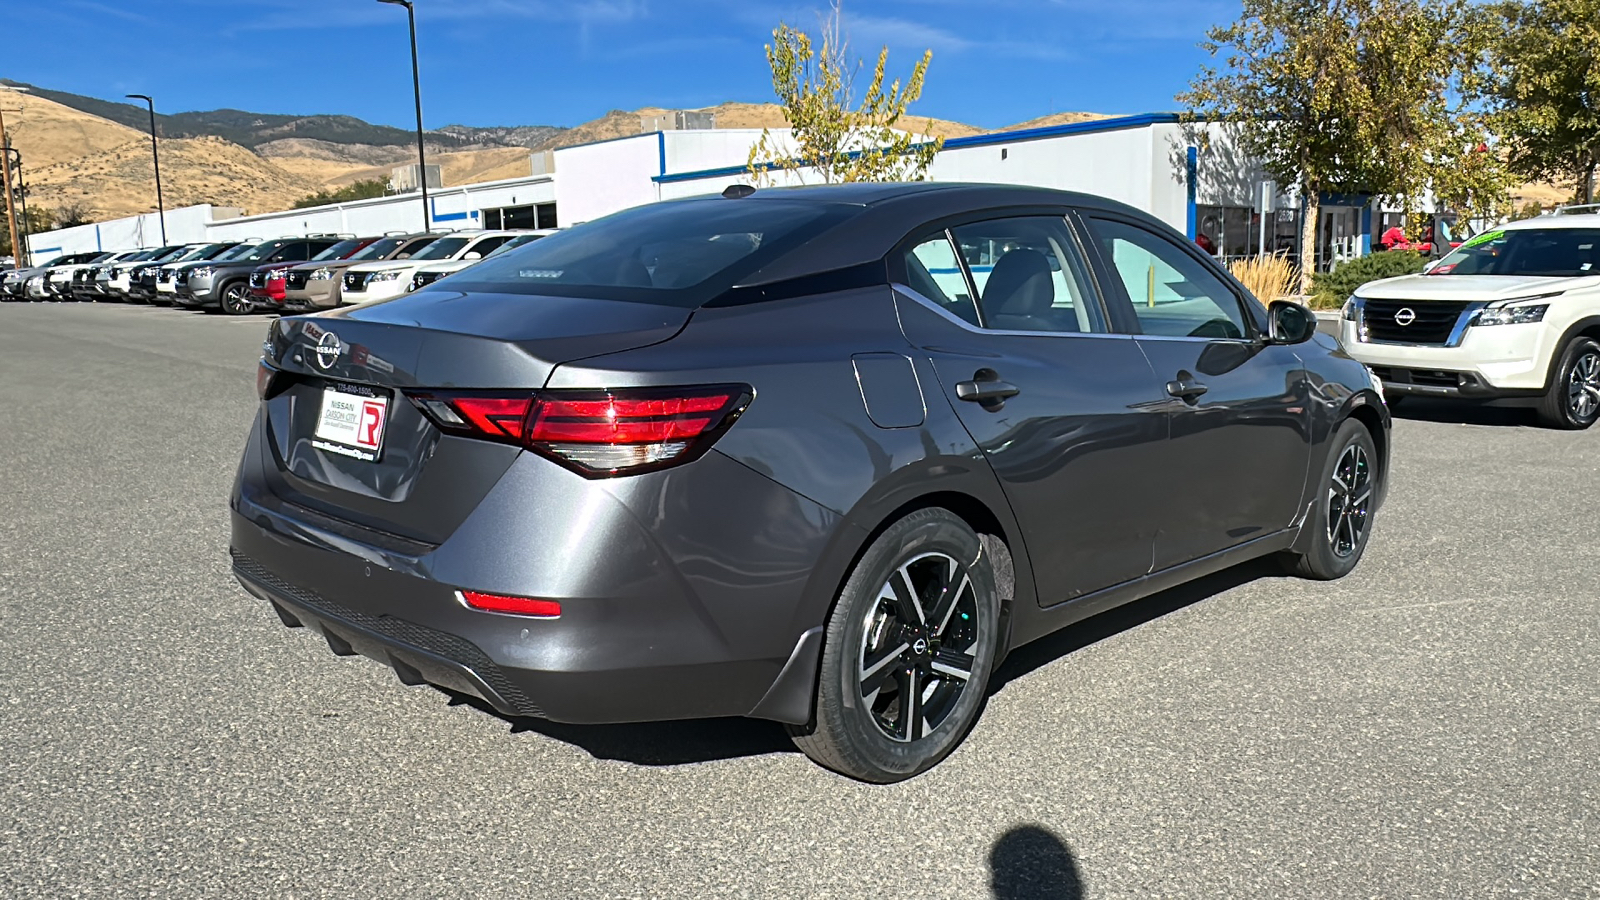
x,y
1290,323
473,255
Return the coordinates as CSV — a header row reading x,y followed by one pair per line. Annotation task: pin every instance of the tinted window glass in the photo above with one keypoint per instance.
x,y
291,251
379,249
1552,252
1172,293
1028,275
489,244
933,271
337,251
678,253
259,252
516,242
443,248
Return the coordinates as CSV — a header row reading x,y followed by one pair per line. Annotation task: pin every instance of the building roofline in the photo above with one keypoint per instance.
x,y
1095,126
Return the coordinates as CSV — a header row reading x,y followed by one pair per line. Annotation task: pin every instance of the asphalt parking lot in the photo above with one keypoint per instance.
x,y
1428,727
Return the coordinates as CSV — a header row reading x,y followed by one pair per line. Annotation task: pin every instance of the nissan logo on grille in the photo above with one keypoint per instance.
x,y
328,350
1405,316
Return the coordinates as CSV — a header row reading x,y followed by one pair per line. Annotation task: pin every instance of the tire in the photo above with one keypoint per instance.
x,y
1341,518
1573,401
235,300
881,646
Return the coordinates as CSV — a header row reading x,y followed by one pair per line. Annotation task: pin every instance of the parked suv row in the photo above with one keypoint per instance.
x,y
315,271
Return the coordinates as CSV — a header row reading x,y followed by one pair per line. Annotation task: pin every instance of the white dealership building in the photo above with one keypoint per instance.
x,y
1192,176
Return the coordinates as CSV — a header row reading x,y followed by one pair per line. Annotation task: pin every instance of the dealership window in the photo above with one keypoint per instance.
x,y
542,215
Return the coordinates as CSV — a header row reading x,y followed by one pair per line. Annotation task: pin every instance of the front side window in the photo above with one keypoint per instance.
x,y
1173,294
379,249
443,248
1028,275
338,251
488,245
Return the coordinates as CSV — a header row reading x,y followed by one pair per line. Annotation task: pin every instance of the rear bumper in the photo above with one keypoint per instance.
x,y
643,640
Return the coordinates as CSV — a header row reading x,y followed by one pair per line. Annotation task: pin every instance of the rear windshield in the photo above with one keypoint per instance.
x,y
1554,252
337,251
443,248
671,254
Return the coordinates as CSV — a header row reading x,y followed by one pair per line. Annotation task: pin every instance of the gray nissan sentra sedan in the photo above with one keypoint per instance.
x,y
818,455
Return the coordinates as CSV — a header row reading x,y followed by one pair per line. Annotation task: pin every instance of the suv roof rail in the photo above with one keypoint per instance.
x,y
1577,209
395,233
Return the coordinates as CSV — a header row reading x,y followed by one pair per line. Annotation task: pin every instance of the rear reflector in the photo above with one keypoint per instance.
x,y
595,433
517,606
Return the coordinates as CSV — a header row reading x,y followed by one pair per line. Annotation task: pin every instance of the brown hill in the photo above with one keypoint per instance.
x,y
1064,118
621,123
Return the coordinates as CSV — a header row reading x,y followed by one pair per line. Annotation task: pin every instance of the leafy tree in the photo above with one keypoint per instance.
x,y
1359,96
840,140
31,221
1543,88
359,190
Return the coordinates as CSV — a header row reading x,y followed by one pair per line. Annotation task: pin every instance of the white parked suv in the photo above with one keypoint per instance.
x,y
375,281
1511,316
428,274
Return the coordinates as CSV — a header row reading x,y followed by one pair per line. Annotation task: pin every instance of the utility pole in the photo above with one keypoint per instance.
x,y
19,250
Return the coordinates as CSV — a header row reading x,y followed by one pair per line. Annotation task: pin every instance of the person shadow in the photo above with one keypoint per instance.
x,y
1030,862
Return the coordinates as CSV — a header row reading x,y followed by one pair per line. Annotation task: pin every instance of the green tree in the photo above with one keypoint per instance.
x,y
31,221
1543,88
360,190
1360,96
830,133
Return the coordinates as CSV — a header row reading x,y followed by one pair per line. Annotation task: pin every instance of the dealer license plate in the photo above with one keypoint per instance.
x,y
351,422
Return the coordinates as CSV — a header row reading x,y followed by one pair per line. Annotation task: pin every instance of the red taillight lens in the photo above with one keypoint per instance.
x,y
596,433
517,606
264,376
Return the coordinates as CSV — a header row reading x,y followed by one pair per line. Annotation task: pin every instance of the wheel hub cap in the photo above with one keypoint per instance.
x,y
1583,387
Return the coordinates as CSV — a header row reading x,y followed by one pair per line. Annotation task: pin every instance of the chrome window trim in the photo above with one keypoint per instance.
x,y
968,326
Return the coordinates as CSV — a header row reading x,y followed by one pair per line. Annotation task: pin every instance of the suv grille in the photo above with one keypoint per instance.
x,y
258,279
295,280
1429,322
423,279
355,281
164,276
180,277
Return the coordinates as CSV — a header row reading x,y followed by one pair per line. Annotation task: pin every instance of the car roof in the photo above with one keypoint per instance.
x,y
1578,220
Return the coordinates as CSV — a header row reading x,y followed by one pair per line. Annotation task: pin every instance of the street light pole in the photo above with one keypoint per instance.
x,y
416,91
161,206
20,191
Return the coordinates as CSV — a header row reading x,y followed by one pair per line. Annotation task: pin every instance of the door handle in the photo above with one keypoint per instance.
x,y
986,389
1186,389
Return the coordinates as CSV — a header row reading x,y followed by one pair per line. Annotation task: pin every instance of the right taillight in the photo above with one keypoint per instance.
x,y
595,433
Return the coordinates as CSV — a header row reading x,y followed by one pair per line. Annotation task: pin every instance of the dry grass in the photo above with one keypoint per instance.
x,y
1268,277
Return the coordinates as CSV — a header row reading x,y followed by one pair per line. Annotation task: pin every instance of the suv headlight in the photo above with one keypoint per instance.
x,y
1348,312
1512,315
391,275
200,272
321,275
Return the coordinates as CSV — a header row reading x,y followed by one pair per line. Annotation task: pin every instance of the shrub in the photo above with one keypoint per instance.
x,y
1329,289
1267,277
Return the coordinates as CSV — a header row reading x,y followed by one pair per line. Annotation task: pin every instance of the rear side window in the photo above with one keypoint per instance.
x,y
675,254
1029,275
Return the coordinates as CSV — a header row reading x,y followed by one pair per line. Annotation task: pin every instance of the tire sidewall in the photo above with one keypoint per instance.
x,y
921,532
1327,563
227,291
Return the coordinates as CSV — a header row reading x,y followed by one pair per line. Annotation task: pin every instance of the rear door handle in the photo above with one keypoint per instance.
x,y
986,389
1186,389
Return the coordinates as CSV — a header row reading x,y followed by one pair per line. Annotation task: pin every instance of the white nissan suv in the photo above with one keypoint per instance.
x,y
375,281
1511,316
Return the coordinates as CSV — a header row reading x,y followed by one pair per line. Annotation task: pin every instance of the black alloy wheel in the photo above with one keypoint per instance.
x,y
907,652
236,299
1337,529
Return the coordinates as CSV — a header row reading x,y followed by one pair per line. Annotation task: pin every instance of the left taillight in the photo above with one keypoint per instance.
x,y
597,434
264,375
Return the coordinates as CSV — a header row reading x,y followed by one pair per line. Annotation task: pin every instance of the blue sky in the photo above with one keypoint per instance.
x,y
528,62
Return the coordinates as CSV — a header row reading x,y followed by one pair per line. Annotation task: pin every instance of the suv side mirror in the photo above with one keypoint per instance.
x,y
473,255
1290,323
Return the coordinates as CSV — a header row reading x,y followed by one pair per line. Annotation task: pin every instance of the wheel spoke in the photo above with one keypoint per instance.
x,y
910,724
906,601
1360,499
945,606
1350,530
953,663
878,669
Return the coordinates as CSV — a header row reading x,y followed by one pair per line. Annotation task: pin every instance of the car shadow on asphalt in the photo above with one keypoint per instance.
x,y
709,740
1422,409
